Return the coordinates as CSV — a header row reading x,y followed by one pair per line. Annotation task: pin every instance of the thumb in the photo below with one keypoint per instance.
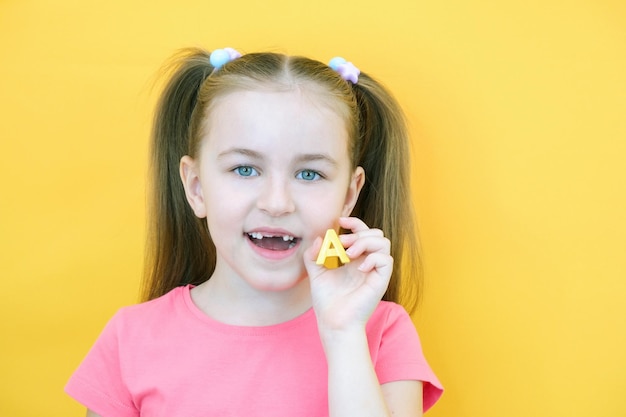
x,y
310,258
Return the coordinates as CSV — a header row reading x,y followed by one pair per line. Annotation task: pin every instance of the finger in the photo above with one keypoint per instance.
x,y
369,244
353,223
311,253
310,258
381,263
349,238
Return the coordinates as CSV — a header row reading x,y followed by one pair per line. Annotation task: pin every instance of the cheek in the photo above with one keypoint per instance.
x,y
222,203
324,205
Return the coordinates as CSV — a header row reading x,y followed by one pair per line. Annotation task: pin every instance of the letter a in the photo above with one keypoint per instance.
x,y
332,254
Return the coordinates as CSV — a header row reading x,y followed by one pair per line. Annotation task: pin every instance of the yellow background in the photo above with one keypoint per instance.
x,y
518,110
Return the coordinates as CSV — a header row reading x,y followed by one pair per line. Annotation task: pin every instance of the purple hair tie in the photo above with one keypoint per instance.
x,y
219,57
346,69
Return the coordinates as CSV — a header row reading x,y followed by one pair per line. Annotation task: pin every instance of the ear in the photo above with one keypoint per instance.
x,y
191,183
356,184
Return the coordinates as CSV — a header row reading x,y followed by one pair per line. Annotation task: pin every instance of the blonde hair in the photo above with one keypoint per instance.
x,y
180,250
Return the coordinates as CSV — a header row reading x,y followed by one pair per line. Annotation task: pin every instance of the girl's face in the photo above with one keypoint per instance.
x,y
272,174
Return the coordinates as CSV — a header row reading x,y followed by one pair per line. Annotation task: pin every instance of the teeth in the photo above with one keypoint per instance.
x,y
259,235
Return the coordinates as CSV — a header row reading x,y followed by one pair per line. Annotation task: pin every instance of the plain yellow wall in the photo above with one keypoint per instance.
x,y
518,110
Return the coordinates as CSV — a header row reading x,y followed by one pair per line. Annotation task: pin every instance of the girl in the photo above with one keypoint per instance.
x,y
254,158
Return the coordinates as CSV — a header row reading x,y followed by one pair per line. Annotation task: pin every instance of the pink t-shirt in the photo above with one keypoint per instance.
x,y
166,358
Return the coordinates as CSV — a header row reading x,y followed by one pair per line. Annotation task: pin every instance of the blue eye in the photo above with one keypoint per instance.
x,y
246,171
308,175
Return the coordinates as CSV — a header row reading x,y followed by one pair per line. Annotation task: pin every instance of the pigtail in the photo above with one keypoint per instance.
x,y
385,201
179,249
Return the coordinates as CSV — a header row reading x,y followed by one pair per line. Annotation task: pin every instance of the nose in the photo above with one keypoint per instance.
x,y
275,197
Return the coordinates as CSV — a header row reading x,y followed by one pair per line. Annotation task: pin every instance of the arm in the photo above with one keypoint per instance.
x,y
404,398
353,387
344,299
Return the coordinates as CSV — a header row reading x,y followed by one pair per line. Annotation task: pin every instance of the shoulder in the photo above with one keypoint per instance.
x,y
392,335
389,315
390,309
149,314
397,351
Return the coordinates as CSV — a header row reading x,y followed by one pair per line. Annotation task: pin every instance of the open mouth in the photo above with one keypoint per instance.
x,y
273,242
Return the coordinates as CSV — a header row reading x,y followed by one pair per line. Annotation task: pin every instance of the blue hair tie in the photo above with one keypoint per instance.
x,y
346,69
219,57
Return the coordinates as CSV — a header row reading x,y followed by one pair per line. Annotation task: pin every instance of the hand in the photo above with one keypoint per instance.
x,y
344,298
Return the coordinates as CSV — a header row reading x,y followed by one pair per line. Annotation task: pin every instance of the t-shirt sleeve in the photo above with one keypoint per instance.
x,y
400,356
98,382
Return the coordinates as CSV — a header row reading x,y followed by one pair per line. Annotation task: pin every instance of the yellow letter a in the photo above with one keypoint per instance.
x,y
332,252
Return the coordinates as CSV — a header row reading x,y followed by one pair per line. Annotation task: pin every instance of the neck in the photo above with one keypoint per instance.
x,y
230,305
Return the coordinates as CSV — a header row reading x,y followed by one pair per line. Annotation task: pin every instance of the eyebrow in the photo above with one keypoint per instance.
x,y
240,151
307,157
310,157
